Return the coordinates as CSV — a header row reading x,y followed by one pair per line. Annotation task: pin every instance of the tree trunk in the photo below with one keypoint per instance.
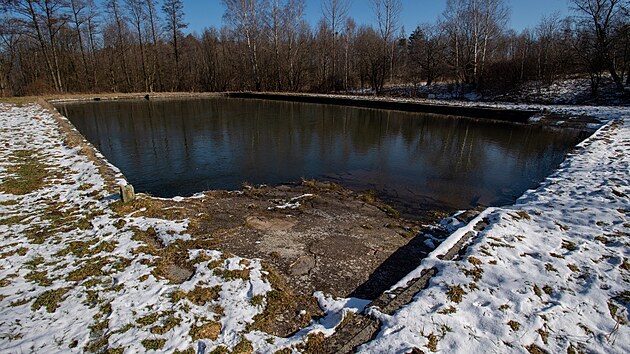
x,y
77,27
42,43
156,61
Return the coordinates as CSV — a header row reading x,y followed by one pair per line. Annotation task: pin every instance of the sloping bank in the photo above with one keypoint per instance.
x,y
82,272
548,274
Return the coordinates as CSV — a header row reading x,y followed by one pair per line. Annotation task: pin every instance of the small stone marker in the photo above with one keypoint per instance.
x,y
126,193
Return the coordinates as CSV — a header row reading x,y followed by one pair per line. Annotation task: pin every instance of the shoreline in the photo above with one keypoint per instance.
x,y
90,152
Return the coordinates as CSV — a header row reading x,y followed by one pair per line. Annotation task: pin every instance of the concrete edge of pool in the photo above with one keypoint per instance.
x,y
110,165
512,115
515,115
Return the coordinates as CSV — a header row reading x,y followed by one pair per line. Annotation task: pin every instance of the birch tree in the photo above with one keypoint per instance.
x,y
335,13
247,19
387,14
473,25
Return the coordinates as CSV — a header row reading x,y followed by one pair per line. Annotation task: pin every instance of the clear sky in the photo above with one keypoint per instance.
x,y
524,13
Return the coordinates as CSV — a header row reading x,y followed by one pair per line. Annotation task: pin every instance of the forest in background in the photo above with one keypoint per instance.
x,y
74,46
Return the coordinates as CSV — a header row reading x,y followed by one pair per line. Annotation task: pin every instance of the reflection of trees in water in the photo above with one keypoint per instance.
x,y
189,144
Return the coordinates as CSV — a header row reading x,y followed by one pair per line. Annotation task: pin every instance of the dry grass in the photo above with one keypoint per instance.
x,y
568,245
281,302
201,295
230,275
243,347
544,335
455,293
39,278
537,291
447,310
475,261
475,273
515,326
19,101
169,323
90,268
153,344
432,342
210,330
50,299
315,344
28,173
148,319
520,215
534,349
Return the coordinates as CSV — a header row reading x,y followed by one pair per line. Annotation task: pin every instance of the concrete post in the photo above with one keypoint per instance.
x,y
127,193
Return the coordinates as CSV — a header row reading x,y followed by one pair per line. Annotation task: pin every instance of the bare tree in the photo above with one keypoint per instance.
x,y
138,17
426,49
600,17
247,18
79,13
113,7
387,14
349,37
335,13
42,21
473,25
155,59
91,28
293,22
174,13
9,38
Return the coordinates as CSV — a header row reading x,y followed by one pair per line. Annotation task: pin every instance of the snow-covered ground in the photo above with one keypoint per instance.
x,y
570,90
76,275
550,273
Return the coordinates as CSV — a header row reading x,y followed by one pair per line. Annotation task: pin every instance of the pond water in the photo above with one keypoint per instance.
x,y
417,161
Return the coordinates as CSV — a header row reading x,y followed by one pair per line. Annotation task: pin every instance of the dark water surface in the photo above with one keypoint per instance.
x,y
419,161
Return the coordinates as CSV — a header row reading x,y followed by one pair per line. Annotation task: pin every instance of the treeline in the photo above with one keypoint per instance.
x,y
57,46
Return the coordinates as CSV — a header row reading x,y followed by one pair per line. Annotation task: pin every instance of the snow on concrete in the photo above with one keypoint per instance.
x,y
549,274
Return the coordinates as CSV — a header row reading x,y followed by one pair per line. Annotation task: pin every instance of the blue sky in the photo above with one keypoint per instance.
x,y
524,13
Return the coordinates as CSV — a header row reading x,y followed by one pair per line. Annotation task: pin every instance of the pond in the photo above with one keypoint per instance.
x,y
178,147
